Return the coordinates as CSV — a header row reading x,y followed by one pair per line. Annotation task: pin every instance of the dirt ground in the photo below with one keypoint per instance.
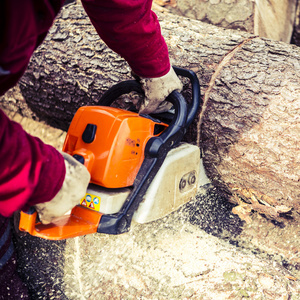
x,y
202,251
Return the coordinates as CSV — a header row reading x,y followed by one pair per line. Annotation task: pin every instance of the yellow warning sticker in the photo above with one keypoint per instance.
x,y
91,201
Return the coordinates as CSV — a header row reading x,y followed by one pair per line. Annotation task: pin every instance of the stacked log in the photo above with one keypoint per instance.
x,y
276,19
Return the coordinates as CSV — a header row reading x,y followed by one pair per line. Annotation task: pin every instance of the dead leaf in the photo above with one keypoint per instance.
x,y
243,211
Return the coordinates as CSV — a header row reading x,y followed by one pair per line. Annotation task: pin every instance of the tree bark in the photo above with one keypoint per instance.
x,y
249,125
229,14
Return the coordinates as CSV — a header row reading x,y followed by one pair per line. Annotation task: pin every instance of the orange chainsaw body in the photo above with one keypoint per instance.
x,y
111,143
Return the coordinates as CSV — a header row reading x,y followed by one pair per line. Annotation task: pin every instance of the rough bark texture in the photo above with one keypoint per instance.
x,y
250,127
230,14
74,67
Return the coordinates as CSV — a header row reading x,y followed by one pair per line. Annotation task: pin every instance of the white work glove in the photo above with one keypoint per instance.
x,y
157,90
72,191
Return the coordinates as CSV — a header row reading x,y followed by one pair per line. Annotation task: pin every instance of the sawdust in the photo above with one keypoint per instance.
x,y
173,259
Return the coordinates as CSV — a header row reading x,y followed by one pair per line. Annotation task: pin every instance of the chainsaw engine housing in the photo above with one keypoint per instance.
x,y
110,142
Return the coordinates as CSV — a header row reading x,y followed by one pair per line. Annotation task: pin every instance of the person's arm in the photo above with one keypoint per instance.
x,y
31,172
131,29
35,174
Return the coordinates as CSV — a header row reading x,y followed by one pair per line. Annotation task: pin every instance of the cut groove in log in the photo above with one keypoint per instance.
x,y
211,84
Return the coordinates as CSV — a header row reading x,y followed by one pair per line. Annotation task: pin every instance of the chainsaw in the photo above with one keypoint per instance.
x,y
140,169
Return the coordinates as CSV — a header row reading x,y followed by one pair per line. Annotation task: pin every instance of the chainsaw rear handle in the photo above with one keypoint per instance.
x,y
28,221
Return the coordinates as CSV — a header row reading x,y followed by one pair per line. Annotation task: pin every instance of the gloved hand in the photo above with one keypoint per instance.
x,y
157,90
72,191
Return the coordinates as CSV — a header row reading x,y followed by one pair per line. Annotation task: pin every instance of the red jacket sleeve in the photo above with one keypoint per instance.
x,y
23,26
30,171
131,28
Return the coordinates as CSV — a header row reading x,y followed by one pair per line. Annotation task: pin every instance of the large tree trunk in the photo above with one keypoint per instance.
x,y
229,14
250,120
275,19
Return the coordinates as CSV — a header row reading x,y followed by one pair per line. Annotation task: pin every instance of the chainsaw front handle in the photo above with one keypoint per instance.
x,y
177,127
196,97
125,87
180,121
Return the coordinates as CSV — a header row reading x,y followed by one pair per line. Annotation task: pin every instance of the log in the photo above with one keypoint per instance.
x,y
248,128
229,14
274,19
166,259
